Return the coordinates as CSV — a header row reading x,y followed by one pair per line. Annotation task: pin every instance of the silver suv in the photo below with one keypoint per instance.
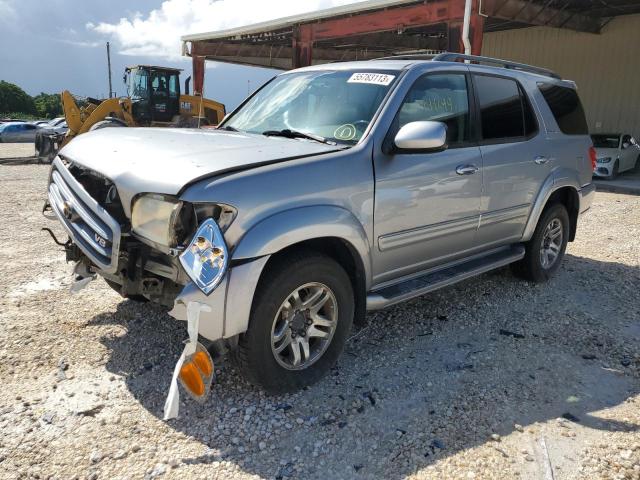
x,y
332,190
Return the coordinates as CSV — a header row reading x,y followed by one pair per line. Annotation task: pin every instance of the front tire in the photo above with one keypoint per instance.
x,y
545,251
614,171
301,315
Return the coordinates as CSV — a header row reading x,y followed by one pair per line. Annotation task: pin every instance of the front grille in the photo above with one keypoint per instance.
x,y
90,226
101,189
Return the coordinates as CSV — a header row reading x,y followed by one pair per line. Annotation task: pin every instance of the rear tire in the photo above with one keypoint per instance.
x,y
280,323
537,264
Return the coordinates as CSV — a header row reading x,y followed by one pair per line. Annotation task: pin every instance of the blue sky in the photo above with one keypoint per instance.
x,y
54,45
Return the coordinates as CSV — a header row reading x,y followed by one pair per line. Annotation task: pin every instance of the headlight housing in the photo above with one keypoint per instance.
x,y
604,160
206,258
154,218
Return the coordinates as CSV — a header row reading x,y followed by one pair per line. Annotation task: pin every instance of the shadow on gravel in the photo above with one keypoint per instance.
x,y
421,382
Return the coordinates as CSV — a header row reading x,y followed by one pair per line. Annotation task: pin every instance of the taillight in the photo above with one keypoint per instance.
x,y
592,156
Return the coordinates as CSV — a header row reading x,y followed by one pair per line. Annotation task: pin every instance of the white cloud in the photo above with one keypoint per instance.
x,y
79,43
158,32
7,12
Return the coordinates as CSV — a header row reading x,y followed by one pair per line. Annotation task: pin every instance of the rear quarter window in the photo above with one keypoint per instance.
x,y
566,108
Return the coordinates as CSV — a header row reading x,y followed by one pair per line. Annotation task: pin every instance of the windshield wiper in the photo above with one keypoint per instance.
x,y
296,134
228,128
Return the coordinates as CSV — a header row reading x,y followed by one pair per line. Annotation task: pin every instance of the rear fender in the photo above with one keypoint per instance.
x,y
559,178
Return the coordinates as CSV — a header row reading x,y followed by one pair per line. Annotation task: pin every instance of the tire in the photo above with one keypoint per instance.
x,y
256,354
106,124
614,171
117,287
531,267
636,166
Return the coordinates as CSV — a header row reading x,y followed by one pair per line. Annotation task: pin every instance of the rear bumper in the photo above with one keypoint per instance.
x,y
587,194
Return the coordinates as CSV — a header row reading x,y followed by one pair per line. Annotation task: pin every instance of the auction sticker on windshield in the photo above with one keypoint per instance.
x,y
374,78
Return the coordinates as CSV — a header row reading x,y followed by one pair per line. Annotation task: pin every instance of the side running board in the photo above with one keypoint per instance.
x,y
416,286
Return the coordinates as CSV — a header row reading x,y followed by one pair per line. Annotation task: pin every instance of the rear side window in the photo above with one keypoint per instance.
x,y
566,108
505,112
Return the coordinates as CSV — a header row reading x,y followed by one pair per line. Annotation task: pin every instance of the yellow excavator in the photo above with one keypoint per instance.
x,y
153,100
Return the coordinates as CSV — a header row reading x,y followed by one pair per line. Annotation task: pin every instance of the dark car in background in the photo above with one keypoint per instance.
x,y
18,132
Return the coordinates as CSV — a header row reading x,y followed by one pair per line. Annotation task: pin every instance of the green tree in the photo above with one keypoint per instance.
x,y
14,99
48,105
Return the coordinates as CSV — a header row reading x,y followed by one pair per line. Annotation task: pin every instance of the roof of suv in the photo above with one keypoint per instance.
x,y
484,63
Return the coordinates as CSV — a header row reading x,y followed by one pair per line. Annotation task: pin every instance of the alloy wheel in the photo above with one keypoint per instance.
x,y
551,243
304,326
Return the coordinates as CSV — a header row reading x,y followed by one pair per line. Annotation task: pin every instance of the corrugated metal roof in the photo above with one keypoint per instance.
x,y
285,22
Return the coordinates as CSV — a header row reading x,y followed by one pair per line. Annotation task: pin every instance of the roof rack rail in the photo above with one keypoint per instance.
x,y
452,57
409,56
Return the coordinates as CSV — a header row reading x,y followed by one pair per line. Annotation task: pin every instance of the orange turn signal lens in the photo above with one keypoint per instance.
x,y
191,379
203,362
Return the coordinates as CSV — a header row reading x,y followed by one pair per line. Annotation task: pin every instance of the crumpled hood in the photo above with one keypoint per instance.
x,y
165,160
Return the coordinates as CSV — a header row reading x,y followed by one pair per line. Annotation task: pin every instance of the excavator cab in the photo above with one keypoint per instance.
x,y
154,93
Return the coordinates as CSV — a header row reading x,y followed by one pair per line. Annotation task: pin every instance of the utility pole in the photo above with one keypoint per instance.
x,y
109,66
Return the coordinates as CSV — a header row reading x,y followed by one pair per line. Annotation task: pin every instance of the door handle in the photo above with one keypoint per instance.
x,y
466,169
540,160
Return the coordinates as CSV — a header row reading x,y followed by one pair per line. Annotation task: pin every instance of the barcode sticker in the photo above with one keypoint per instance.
x,y
373,78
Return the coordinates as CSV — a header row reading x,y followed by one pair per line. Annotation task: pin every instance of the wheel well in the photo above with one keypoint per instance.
x,y
343,253
568,197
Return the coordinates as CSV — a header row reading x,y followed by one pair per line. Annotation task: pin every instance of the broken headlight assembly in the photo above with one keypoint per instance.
x,y
206,257
161,221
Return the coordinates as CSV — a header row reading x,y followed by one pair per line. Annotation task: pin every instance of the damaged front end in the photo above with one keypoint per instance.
x,y
169,252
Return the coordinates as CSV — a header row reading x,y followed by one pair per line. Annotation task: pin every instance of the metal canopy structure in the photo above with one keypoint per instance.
x,y
378,28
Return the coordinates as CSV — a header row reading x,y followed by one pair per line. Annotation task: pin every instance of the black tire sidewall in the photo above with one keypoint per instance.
x,y
260,364
537,271
614,171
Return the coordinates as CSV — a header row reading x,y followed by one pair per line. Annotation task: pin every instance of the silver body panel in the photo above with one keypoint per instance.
x,y
401,213
165,160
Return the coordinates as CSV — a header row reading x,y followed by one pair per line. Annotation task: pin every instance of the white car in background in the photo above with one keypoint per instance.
x,y
615,153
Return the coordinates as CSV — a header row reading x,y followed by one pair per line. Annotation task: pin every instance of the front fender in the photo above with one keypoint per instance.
x,y
297,225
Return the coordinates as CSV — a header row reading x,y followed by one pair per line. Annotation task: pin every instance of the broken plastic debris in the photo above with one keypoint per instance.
x,y
82,277
172,404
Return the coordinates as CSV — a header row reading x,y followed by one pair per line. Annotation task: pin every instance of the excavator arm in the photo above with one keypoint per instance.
x,y
81,119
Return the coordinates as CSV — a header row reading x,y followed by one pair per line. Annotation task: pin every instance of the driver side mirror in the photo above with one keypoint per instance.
x,y
625,145
421,137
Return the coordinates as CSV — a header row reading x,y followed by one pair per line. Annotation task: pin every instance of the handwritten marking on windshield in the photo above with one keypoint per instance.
x,y
345,132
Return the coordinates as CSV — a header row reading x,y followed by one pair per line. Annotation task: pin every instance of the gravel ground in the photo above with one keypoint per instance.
x,y
17,150
492,378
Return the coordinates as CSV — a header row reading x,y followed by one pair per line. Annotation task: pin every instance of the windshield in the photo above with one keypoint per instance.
x,y
336,105
138,84
605,141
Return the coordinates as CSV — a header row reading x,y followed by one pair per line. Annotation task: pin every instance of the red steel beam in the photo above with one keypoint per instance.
x,y
302,46
427,12
197,63
394,18
476,30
